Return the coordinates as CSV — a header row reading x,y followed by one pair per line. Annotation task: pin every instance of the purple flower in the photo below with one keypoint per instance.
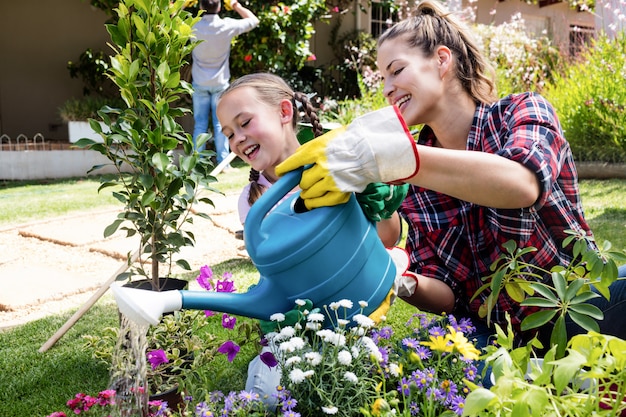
x,y
423,352
458,404
225,285
404,387
157,357
228,322
205,278
269,359
410,342
229,349
289,404
437,331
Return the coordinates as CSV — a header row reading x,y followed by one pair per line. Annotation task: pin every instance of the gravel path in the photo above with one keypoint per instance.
x,y
54,265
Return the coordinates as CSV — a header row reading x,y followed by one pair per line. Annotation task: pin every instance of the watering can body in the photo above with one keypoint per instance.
x,y
325,255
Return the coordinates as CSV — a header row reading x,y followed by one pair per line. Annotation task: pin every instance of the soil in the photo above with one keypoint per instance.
x,y
54,265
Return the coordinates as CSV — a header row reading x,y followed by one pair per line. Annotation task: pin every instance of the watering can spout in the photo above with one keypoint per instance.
x,y
146,307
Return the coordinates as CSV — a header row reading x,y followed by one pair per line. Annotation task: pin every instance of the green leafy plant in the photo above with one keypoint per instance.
x,y
184,344
590,98
565,295
590,380
158,170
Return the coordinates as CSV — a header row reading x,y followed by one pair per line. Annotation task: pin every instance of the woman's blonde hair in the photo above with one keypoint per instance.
x,y
271,89
431,26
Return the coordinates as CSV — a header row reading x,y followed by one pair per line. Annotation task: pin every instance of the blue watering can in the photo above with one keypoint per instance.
x,y
325,255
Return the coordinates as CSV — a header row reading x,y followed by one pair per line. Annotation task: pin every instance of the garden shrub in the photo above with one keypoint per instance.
x,y
522,63
590,99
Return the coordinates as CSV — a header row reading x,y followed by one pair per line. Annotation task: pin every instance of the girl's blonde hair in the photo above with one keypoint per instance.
x,y
431,26
271,89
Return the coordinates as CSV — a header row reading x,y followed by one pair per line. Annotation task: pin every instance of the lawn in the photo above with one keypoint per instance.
x,y
36,384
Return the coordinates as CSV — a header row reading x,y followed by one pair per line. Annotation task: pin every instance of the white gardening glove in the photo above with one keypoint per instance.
x,y
376,147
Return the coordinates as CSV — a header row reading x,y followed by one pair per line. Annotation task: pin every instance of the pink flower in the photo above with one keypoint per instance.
x,y
228,322
205,278
230,349
106,397
225,285
157,357
311,57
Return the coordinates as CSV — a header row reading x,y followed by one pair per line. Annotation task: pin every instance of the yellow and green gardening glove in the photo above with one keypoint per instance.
x,y
376,147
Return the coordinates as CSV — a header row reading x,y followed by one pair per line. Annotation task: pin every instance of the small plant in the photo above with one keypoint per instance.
x,y
567,293
158,184
590,380
182,346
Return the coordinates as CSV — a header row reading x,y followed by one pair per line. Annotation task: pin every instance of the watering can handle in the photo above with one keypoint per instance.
x,y
265,204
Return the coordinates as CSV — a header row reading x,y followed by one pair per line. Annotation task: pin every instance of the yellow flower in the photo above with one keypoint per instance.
x,y
379,406
438,343
462,345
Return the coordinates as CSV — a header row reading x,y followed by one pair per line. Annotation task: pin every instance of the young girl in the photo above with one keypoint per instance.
x,y
484,171
259,116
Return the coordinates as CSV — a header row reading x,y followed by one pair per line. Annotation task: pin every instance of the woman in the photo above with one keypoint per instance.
x,y
484,171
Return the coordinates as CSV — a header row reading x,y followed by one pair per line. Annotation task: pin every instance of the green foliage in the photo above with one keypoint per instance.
x,y
565,295
590,98
159,185
280,44
523,63
91,68
584,382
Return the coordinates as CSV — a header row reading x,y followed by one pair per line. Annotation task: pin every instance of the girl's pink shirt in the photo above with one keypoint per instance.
x,y
244,206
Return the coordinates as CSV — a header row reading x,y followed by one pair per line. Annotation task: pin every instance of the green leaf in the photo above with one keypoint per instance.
x,y
478,400
160,161
545,291
147,198
560,285
537,319
112,228
566,369
539,302
584,321
515,291
588,310
558,337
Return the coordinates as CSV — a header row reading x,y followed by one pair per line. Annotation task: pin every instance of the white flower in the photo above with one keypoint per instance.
x,y
329,336
363,304
279,317
350,377
292,345
293,360
309,373
313,326
345,303
316,317
330,410
344,357
334,306
314,358
300,302
342,322
372,348
394,369
296,376
364,321
286,333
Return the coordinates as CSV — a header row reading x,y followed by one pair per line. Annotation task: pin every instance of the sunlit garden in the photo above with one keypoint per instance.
x,y
195,362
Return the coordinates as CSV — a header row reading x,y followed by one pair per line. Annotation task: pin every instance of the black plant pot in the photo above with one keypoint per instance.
x,y
165,284
175,400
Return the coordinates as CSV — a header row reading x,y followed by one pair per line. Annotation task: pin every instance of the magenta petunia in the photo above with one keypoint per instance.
x,y
225,285
228,322
269,359
230,349
157,357
205,279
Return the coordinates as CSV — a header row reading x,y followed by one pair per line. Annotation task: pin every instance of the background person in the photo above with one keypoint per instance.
x,y
483,171
210,69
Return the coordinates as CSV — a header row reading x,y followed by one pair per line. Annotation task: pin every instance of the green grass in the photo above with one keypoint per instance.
x,y
36,384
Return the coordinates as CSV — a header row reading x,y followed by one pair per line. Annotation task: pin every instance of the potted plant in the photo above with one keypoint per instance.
x,y
179,350
158,171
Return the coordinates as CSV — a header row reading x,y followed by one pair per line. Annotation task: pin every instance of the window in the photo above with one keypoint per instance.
x,y
579,38
381,19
